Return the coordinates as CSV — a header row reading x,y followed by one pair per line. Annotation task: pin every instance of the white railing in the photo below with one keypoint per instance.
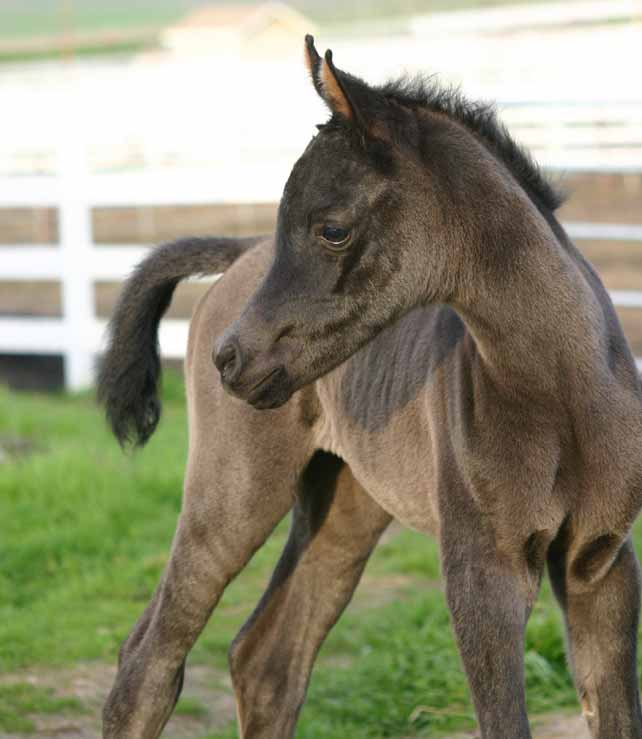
x,y
77,262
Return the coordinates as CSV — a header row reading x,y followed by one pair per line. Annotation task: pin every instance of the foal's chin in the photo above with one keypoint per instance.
x,y
270,399
272,390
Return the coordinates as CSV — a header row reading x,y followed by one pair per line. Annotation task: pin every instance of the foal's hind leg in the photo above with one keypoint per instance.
x,y
601,609
335,527
236,491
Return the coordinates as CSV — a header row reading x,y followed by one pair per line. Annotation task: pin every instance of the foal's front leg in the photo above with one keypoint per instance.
x,y
490,595
335,527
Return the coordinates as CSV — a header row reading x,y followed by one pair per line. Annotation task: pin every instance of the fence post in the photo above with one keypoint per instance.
x,y
75,230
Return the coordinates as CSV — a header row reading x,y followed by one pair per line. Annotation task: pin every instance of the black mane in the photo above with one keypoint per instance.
x,y
480,118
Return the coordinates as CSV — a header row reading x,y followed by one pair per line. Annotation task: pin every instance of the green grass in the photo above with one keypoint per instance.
x,y
124,48
19,701
190,707
23,19
20,19
340,12
85,534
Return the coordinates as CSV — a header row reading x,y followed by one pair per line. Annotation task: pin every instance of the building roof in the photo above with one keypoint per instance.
x,y
243,17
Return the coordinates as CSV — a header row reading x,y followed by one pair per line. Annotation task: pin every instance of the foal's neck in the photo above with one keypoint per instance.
x,y
527,303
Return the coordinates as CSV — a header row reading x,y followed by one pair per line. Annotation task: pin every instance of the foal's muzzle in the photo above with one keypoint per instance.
x,y
262,383
228,361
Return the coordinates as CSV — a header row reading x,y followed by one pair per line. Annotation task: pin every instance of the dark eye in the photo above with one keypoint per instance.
x,y
335,235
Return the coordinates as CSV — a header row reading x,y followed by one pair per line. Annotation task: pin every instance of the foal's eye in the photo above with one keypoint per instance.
x,y
335,236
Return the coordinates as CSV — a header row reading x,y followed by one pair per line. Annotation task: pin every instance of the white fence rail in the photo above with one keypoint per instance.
x,y
77,262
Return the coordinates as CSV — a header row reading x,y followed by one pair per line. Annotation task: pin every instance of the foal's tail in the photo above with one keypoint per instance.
x,y
130,369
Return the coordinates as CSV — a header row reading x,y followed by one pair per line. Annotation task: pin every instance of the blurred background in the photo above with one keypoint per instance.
x,y
125,123
128,123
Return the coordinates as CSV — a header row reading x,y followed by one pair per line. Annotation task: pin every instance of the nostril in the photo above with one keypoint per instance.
x,y
228,361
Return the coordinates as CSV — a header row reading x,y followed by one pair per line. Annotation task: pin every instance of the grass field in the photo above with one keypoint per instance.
x,y
20,19
28,18
85,534
49,29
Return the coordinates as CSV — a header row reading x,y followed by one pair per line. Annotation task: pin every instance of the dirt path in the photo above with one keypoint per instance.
x,y
560,726
207,705
207,702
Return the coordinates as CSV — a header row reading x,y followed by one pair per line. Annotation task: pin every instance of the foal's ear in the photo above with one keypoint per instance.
x,y
341,92
313,63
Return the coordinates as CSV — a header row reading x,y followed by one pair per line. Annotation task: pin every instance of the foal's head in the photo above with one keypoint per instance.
x,y
365,232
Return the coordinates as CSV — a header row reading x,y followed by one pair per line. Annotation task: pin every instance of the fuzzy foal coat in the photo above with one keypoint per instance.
x,y
419,340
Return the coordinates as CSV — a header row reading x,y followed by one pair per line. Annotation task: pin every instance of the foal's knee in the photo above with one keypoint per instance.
x,y
259,665
269,694
245,660
594,559
134,713
604,558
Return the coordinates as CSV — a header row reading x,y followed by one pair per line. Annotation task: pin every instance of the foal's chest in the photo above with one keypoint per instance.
x,y
393,460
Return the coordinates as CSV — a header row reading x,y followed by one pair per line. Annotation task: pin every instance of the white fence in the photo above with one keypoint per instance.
x,y
77,262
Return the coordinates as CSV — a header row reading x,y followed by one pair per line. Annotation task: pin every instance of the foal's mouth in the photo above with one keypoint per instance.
x,y
270,391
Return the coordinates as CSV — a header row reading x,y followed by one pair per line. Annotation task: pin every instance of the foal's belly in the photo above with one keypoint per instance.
x,y
401,486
